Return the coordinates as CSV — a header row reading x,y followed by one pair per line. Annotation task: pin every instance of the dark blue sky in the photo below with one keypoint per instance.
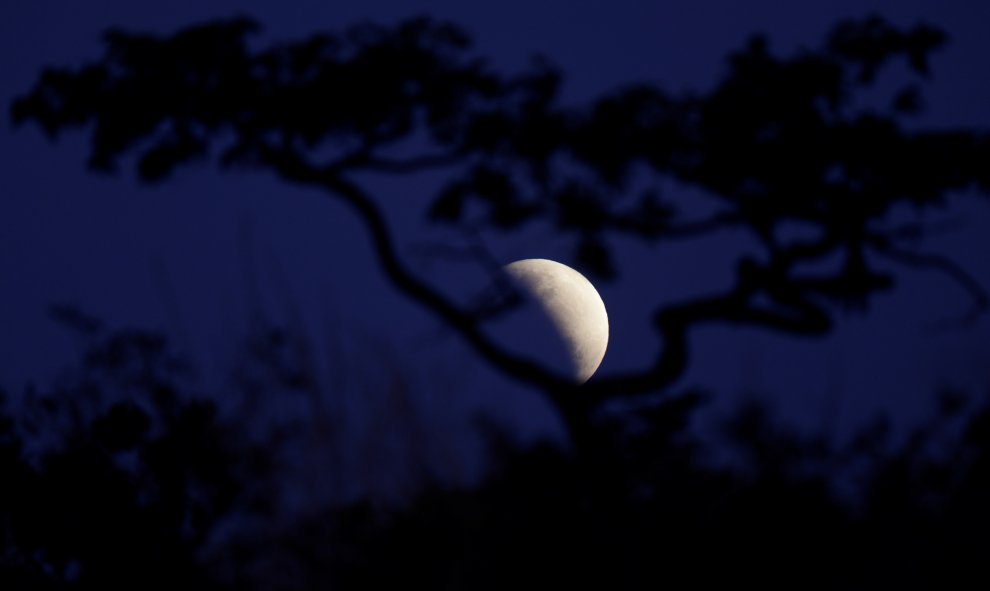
x,y
193,254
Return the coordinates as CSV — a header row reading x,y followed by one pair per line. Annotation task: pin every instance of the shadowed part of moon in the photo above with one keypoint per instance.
x,y
573,306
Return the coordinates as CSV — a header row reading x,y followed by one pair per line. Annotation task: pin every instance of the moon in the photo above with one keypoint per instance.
x,y
573,306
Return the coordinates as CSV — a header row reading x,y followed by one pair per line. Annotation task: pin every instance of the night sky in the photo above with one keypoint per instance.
x,y
198,254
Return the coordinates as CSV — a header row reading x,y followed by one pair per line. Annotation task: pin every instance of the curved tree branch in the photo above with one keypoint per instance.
x,y
292,167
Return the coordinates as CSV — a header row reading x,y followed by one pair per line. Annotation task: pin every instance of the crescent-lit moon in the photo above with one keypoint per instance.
x,y
574,307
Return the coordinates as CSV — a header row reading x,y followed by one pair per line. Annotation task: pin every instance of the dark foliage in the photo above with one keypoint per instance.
x,y
121,477
124,475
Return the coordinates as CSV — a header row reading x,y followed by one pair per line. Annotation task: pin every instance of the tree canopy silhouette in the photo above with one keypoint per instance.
x,y
780,142
121,475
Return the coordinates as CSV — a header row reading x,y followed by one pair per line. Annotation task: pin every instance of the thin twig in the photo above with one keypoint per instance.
x,y
945,266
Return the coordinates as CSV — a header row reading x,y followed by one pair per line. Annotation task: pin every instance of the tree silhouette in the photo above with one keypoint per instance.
x,y
126,475
121,476
779,143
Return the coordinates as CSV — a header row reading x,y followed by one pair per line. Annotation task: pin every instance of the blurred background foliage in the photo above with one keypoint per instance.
x,y
124,472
